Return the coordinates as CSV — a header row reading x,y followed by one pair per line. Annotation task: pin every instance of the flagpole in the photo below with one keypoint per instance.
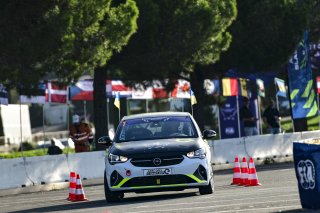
x,y
21,145
219,120
108,114
259,111
85,109
147,106
239,130
277,100
43,124
191,107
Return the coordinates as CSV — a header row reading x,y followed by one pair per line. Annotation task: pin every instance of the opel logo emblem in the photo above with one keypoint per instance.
x,y
157,161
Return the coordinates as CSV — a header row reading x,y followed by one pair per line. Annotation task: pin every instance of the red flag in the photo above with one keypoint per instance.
x,y
318,84
56,93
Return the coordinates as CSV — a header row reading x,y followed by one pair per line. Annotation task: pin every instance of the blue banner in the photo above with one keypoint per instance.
x,y
302,94
229,118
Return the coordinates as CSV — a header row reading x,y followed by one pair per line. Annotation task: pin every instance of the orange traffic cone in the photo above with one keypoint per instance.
x,y
244,172
253,178
79,190
72,186
236,172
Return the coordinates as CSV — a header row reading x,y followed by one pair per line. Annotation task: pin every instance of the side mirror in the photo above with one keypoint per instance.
x,y
207,134
104,140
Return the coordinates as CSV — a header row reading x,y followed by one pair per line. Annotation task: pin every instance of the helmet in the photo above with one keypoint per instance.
x,y
75,119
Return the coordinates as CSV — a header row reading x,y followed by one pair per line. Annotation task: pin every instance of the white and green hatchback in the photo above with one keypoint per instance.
x,y
157,152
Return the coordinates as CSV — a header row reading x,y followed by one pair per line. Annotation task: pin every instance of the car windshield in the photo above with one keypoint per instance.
x,y
156,128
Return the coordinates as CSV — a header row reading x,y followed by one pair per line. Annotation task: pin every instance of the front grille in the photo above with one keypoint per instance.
x,y
158,180
150,162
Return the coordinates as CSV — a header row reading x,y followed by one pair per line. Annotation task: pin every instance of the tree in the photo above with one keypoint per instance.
x,y
63,38
173,36
266,33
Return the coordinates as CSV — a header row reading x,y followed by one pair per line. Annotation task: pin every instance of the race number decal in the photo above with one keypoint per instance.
x,y
306,173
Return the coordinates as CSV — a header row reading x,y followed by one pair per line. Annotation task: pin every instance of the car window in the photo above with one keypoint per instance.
x,y
156,128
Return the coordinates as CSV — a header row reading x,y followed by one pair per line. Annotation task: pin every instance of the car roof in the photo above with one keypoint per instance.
x,y
155,114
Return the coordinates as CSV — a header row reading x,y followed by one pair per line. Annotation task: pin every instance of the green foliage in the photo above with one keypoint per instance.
x,y
175,35
32,153
266,33
63,38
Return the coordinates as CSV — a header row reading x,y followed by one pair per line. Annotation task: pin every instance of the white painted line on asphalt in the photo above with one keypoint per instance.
x,y
204,207
211,201
265,208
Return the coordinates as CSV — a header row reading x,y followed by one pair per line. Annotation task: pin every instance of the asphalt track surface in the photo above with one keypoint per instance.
x,y
278,193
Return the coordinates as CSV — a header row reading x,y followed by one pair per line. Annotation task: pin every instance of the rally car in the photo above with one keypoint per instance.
x,y
155,152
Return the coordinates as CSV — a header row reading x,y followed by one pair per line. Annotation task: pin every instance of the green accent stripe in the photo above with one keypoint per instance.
x,y
156,186
121,183
294,93
307,90
313,110
310,101
195,178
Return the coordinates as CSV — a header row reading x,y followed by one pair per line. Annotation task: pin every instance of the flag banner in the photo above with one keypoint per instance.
x,y
318,84
192,97
212,87
3,95
181,89
56,93
119,86
244,88
139,91
82,91
229,119
38,96
230,87
159,90
117,100
302,94
281,87
261,89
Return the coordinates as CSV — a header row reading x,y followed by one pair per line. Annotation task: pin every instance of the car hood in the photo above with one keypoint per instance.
x,y
158,147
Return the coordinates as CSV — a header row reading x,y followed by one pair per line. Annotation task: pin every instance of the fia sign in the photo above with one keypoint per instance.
x,y
306,174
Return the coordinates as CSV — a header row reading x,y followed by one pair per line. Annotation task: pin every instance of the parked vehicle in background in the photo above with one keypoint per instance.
x,y
156,152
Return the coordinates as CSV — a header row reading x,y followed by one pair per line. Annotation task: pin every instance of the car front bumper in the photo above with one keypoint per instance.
x,y
189,173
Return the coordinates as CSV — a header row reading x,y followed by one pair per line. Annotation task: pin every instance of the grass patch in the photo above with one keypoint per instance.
x,y
31,153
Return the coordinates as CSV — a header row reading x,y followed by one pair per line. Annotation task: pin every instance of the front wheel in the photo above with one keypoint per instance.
x,y
208,189
111,196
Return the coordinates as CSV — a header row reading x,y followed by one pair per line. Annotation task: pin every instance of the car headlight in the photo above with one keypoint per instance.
x,y
116,158
200,153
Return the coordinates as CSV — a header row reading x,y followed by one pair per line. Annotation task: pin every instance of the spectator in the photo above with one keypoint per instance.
x,y
53,149
81,134
249,121
271,118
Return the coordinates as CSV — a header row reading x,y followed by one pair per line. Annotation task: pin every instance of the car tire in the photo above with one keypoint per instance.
x,y
208,189
111,196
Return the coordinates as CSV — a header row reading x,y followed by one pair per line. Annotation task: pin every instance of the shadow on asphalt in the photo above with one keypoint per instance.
x,y
103,203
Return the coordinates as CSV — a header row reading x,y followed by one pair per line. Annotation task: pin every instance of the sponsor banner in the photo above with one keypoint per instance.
x,y
281,87
261,89
302,94
139,91
229,118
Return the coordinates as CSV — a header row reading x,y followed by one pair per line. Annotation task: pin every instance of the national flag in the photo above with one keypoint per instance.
x,y
244,88
139,91
212,87
3,95
281,87
117,100
159,90
230,87
38,95
181,89
56,93
192,98
119,86
261,89
318,84
82,91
